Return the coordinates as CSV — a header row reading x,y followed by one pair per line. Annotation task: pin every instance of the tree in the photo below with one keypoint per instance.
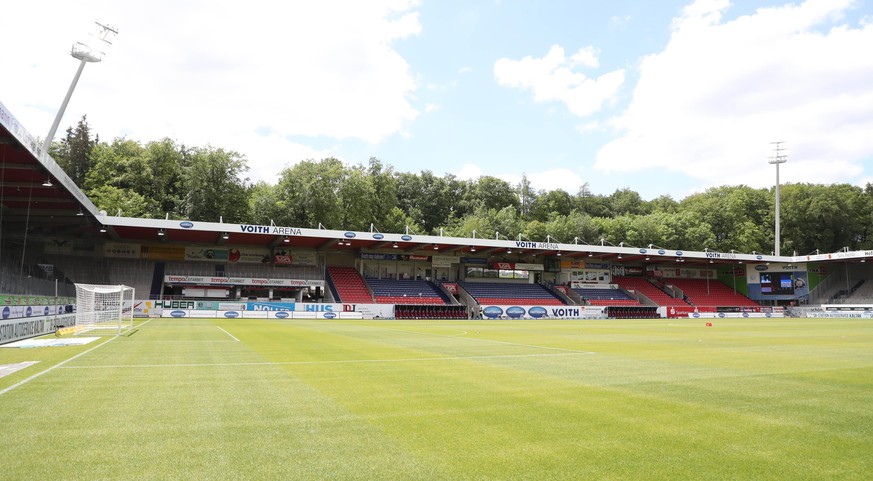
x,y
73,152
215,187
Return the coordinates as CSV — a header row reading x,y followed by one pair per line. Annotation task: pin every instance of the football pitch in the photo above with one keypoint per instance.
x,y
231,399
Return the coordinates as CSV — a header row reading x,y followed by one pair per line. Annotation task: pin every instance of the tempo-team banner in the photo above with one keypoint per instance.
x,y
242,281
543,312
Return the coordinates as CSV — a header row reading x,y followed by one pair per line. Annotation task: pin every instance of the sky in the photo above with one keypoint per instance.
x,y
664,98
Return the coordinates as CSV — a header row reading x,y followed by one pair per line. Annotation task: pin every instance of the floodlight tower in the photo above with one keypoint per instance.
x,y
779,158
92,50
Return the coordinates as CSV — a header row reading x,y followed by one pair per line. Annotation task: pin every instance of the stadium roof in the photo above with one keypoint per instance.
x,y
38,198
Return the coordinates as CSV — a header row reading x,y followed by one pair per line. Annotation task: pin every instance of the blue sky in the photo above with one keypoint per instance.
x,y
666,97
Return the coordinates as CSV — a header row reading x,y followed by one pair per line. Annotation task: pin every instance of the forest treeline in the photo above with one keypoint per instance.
x,y
207,184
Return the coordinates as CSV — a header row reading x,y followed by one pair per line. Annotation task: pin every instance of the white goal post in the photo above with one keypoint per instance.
x,y
102,309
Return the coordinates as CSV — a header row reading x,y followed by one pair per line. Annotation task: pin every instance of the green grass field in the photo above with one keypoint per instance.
x,y
186,399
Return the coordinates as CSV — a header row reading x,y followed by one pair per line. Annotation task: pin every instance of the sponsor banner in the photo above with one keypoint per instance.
x,y
474,260
542,312
444,261
34,300
304,258
686,311
451,287
375,256
62,247
241,255
596,286
203,313
146,308
529,267
159,252
842,314
571,264
282,260
305,315
242,281
562,289
734,315
15,329
119,250
351,315
231,306
16,312
255,315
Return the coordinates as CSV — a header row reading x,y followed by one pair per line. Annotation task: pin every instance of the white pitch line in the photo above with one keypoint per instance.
x,y
31,378
345,361
229,334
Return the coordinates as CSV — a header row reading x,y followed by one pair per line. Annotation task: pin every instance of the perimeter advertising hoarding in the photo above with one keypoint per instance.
x,y
542,312
261,310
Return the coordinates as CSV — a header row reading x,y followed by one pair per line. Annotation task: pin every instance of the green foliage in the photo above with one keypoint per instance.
x,y
205,183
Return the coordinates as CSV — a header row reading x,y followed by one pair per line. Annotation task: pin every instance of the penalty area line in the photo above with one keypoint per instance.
x,y
339,361
229,334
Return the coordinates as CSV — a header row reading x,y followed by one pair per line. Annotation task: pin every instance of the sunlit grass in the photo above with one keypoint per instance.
x,y
652,399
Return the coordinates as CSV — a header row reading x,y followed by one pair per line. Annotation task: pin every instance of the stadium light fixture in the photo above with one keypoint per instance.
x,y
225,235
509,250
779,158
161,232
48,182
472,248
394,246
590,254
102,229
286,239
86,52
80,213
436,247
558,254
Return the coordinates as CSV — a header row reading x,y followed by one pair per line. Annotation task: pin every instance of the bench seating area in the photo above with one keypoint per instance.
x,y
391,291
511,294
350,286
712,293
606,297
646,288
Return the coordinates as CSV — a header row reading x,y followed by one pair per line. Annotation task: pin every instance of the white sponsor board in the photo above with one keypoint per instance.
x,y
543,312
734,315
842,314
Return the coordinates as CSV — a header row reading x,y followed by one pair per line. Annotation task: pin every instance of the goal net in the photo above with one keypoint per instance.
x,y
106,310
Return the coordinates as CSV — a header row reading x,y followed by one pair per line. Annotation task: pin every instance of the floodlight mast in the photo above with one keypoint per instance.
x,y
779,158
93,51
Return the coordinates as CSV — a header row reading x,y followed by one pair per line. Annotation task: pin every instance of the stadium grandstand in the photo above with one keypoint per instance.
x,y
54,237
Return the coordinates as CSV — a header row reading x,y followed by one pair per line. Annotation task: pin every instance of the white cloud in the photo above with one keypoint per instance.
x,y
212,72
552,78
711,102
469,172
431,107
